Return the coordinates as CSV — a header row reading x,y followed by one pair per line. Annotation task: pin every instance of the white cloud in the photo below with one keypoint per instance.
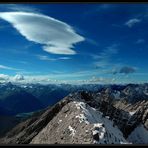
x,y
59,50
18,77
4,77
60,78
130,23
56,36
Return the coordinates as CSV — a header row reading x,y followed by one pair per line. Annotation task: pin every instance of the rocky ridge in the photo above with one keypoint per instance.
x,y
85,118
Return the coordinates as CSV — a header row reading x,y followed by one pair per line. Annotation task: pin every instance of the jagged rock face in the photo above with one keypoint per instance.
x,y
126,116
85,118
65,128
79,123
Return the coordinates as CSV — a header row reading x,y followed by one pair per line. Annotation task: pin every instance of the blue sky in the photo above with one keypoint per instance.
x,y
74,43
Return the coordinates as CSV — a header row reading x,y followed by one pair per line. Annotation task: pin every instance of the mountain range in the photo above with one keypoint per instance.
x,y
110,114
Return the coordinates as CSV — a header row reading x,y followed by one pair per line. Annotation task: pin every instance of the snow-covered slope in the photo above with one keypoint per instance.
x,y
104,131
79,123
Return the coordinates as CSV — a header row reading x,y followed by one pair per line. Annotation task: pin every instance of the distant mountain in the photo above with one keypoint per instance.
x,y
46,94
51,94
33,97
14,100
22,102
90,109
86,117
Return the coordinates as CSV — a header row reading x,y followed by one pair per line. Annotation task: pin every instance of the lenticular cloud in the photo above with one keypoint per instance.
x,y
55,36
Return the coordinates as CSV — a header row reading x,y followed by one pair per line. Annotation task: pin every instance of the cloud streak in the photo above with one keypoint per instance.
x,y
103,59
55,36
140,41
130,23
8,68
46,58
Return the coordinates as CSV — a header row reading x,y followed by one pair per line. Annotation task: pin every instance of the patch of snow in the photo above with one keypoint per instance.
x,y
82,118
132,113
100,130
98,125
108,133
125,142
146,93
93,108
107,117
70,95
89,114
72,131
59,121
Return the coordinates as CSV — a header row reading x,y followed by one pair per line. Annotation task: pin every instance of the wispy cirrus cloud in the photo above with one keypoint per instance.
x,y
140,41
101,8
23,62
46,58
8,68
55,36
64,58
19,7
104,58
130,23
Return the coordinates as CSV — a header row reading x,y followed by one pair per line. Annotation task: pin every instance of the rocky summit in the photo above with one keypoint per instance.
x,y
86,117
